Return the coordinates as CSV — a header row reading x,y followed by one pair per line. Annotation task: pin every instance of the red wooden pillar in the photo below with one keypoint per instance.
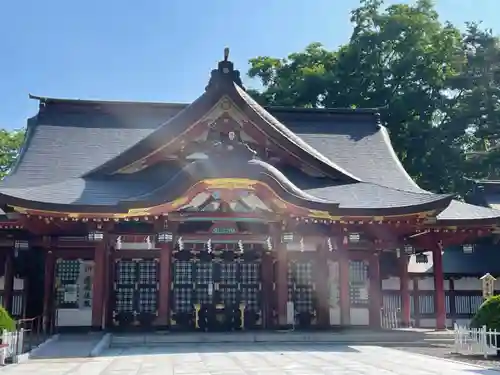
x,y
48,289
8,286
281,283
321,270
267,289
439,304
404,280
416,301
99,285
109,282
375,293
344,292
165,281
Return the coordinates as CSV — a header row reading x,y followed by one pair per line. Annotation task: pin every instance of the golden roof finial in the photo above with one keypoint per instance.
x,y
226,53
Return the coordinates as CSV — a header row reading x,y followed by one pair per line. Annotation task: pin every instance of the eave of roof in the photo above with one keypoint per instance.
x,y
98,102
113,194
485,258
460,213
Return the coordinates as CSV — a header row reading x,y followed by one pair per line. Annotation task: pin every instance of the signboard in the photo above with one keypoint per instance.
x,y
224,227
221,230
70,293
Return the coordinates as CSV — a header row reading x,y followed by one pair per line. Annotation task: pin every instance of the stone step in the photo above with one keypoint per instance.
x,y
356,337
68,346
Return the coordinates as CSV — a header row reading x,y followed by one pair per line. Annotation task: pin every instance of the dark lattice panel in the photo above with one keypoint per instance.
x,y
300,273
250,285
250,296
183,298
358,282
182,293
148,299
136,286
304,299
204,272
201,295
301,286
303,273
250,273
126,272
183,272
67,271
231,282
229,273
229,295
124,299
358,271
148,271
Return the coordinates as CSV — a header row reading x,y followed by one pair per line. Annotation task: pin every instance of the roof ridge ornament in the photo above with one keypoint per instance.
x,y
224,74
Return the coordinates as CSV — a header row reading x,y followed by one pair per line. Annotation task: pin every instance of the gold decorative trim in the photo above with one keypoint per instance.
x,y
217,184
232,183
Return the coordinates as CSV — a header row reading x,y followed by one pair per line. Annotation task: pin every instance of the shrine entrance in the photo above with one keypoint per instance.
x,y
216,288
302,292
135,292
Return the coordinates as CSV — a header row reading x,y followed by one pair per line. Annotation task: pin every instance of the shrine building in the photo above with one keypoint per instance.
x,y
220,214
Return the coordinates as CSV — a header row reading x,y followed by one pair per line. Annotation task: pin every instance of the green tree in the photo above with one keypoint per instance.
x,y
6,321
477,108
10,145
401,59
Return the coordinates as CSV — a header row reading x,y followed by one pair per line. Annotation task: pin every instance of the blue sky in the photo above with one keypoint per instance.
x,y
160,50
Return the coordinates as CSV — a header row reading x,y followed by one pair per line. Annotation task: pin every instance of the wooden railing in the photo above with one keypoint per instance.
x,y
33,332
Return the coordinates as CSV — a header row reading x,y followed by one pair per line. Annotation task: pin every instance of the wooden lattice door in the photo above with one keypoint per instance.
x,y
136,292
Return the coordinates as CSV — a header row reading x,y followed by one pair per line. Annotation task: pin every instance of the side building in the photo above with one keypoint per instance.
x,y
218,214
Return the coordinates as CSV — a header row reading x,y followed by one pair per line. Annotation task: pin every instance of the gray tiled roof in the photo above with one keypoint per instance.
x,y
69,139
458,211
362,148
368,195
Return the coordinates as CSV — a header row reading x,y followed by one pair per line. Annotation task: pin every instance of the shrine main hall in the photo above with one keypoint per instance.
x,y
220,214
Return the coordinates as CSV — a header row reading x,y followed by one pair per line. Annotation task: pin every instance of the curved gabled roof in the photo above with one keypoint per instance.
x,y
225,83
119,193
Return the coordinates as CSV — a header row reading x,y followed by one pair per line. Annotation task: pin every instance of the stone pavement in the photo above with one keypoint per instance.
x,y
255,359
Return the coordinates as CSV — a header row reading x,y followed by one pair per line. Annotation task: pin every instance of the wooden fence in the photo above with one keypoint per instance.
x,y
460,305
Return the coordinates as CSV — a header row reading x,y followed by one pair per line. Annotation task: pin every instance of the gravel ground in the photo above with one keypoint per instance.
x,y
446,352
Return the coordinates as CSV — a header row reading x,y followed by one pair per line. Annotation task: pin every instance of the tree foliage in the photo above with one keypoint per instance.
x,y
488,314
437,88
10,145
6,321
